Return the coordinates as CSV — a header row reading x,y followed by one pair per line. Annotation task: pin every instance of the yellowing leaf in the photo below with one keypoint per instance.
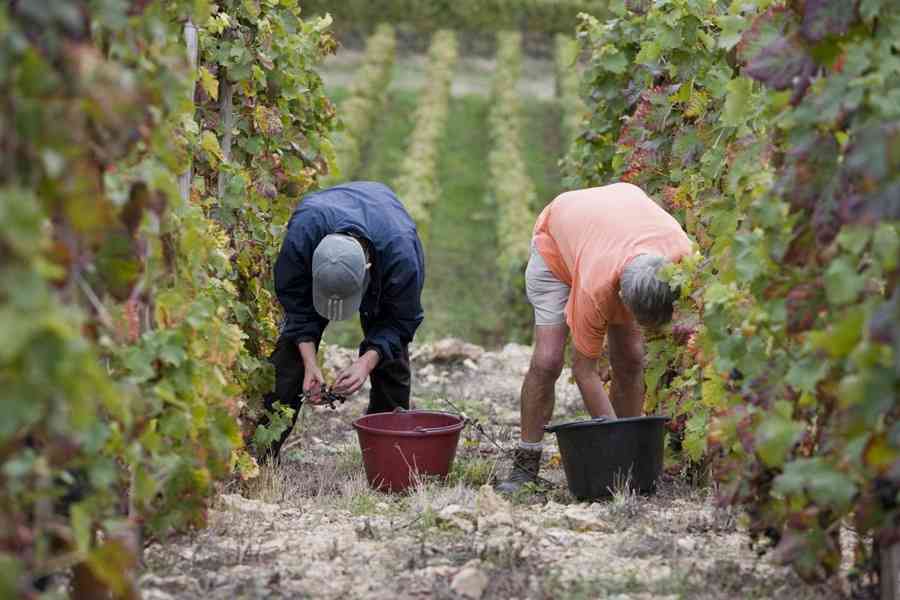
x,y
113,563
210,143
879,454
209,83
697,105
323,23
252,7
712,389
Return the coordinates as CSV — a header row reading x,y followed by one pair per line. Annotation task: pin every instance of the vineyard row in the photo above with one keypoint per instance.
x,y
360,110
462,15
567,84
511,187
417,183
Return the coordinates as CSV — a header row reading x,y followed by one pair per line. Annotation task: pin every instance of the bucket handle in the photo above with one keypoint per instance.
x,y
553,428
431,429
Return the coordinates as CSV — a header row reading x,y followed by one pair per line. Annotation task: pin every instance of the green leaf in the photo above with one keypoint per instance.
x,y
775,437
821,482
279,420
732,27
842,281
138,361
614,60
854,239
718,293
11,570
172,352
737,102
649,53
851,391
695,435
81,526
870,9
806,373
749,256
841,337
886,245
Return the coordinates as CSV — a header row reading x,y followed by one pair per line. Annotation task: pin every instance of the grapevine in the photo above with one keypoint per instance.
x,y
360,110
513,189
766,131
137,318
417,182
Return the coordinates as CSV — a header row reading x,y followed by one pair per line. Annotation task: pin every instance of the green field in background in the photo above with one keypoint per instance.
x,y
462,296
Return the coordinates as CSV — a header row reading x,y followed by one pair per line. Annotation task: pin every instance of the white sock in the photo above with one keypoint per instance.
x,y
531,445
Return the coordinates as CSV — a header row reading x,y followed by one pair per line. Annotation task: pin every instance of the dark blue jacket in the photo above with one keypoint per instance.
x,y
391,308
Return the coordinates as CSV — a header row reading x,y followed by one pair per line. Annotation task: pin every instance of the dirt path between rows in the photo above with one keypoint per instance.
x,y
311,528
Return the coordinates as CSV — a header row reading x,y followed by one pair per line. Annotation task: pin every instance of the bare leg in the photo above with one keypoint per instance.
x,y
626,356
538,395
591,386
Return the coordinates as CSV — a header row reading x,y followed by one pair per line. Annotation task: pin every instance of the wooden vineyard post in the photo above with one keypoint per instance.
x,y
190,40
226,114
890,572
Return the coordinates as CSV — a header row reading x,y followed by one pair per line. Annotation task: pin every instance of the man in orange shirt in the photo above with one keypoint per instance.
x,y
593,271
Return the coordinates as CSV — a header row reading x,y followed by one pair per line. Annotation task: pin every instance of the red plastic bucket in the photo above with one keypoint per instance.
x,y
397,445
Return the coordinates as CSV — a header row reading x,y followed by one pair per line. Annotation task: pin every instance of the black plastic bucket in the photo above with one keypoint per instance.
x,y
600,455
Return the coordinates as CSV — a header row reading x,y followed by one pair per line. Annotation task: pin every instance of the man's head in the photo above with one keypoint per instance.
x,y
649,298
340,276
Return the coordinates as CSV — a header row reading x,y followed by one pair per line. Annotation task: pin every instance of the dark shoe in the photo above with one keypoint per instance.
x,y
526,464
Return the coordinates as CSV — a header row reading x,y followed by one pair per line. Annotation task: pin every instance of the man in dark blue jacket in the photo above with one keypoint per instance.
x,y
348,248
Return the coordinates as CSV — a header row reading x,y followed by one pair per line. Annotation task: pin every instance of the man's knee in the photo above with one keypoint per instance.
x,y
628,359
584,370
547,366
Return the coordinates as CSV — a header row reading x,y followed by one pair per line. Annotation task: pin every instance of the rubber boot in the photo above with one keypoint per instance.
x,y
526,464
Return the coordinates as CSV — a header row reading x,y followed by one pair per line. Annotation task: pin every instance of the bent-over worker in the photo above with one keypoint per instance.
x,y
350,248
593,271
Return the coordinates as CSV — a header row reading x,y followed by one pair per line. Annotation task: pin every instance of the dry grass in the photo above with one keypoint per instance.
x,y
626,504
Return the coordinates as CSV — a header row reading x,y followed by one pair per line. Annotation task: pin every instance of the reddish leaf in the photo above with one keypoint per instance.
x,y
884,327
810,169
822,18
803,305
782,65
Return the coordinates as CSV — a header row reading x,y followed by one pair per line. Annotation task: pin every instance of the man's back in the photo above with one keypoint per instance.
x,y
597,230
588,236
364,208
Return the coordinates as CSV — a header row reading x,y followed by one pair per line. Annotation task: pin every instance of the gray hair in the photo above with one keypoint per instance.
x,y
648,297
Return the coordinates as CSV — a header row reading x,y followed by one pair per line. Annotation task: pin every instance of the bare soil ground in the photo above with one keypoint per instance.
x,y
311,528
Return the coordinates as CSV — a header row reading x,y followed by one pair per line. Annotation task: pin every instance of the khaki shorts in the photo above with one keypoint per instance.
x,y
547,294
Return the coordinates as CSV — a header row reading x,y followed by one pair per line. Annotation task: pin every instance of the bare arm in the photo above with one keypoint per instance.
x,y
588,379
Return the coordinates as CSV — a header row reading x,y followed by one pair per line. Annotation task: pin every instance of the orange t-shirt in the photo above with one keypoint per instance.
x,y
587,237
